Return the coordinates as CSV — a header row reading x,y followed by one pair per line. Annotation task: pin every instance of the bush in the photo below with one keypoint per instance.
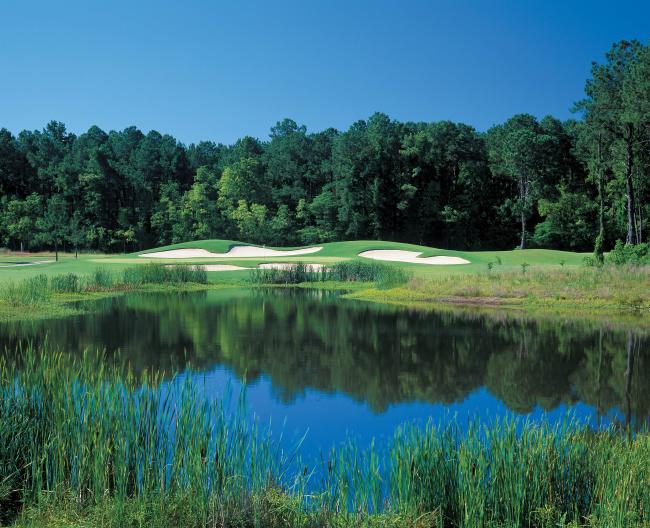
x,y
629,254
589,261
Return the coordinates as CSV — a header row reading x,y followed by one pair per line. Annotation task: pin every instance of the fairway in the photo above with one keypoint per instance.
x,y
537,259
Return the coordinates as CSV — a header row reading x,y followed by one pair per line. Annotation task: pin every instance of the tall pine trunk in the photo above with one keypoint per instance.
x,y
629,188
600,239
523,199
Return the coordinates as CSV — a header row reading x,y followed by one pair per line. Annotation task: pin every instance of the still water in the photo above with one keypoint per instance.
x,y
337,369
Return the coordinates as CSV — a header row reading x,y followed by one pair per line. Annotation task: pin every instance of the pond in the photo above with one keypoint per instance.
x,y
340,369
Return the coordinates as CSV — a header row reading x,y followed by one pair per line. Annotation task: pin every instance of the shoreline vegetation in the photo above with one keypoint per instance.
x,y
609,292
617,294
83,446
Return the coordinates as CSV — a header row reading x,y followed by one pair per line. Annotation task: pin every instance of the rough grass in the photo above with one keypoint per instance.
x,y
609,289
89,445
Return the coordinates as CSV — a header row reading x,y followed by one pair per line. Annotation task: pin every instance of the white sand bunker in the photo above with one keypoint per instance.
x,y
19,264
286,266
398,255
222,267
210,267
234,252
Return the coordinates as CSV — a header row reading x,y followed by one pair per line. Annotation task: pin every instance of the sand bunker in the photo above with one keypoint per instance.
x,y
211,267
285,266
222,267
33,263
235,252
397,255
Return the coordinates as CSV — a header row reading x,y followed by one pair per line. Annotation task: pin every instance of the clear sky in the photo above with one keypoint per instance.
x,y
221,69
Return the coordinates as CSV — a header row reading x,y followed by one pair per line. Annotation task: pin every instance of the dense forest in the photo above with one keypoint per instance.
x,y
578,185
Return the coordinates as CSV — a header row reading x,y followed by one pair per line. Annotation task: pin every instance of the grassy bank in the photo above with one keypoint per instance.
x,y
82,446
51,295
612,292
536,281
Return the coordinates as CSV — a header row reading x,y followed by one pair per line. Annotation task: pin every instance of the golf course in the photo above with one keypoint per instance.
x,y
541,281
325,264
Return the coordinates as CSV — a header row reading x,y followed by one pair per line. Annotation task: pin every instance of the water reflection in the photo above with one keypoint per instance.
x,y
306,343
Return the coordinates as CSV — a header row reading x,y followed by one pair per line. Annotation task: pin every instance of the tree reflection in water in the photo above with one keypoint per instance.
x,y
379,355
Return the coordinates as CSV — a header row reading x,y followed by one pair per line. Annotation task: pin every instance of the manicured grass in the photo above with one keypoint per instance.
x,y
336,251
88,446
330,254
535,280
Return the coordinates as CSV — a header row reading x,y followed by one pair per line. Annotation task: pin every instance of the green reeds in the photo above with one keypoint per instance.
x,y
68,283
80,438
354,271
152,273
35,291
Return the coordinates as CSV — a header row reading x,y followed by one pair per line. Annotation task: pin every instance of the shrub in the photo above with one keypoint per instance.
x,y
629,254
589,261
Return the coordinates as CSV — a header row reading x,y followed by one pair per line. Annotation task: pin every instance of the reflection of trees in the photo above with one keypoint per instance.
x,y
377,354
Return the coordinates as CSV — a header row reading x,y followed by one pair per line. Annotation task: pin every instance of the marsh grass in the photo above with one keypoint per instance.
x,y
28,292
38,290
616,286
82,440
383,275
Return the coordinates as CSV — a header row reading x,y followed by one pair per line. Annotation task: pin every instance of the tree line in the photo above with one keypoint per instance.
x,y
579,184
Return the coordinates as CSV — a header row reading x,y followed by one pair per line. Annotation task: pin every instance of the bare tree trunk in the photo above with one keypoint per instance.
x,y
21,247
56,251
629,189
522,245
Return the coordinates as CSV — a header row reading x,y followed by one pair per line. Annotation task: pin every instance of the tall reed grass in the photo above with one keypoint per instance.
x,y
35,291
354,271
83,439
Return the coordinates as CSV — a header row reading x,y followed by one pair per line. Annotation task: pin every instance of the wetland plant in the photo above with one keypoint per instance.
x,y
82,439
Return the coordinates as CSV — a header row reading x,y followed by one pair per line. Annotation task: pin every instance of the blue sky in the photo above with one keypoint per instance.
x,y
220,70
